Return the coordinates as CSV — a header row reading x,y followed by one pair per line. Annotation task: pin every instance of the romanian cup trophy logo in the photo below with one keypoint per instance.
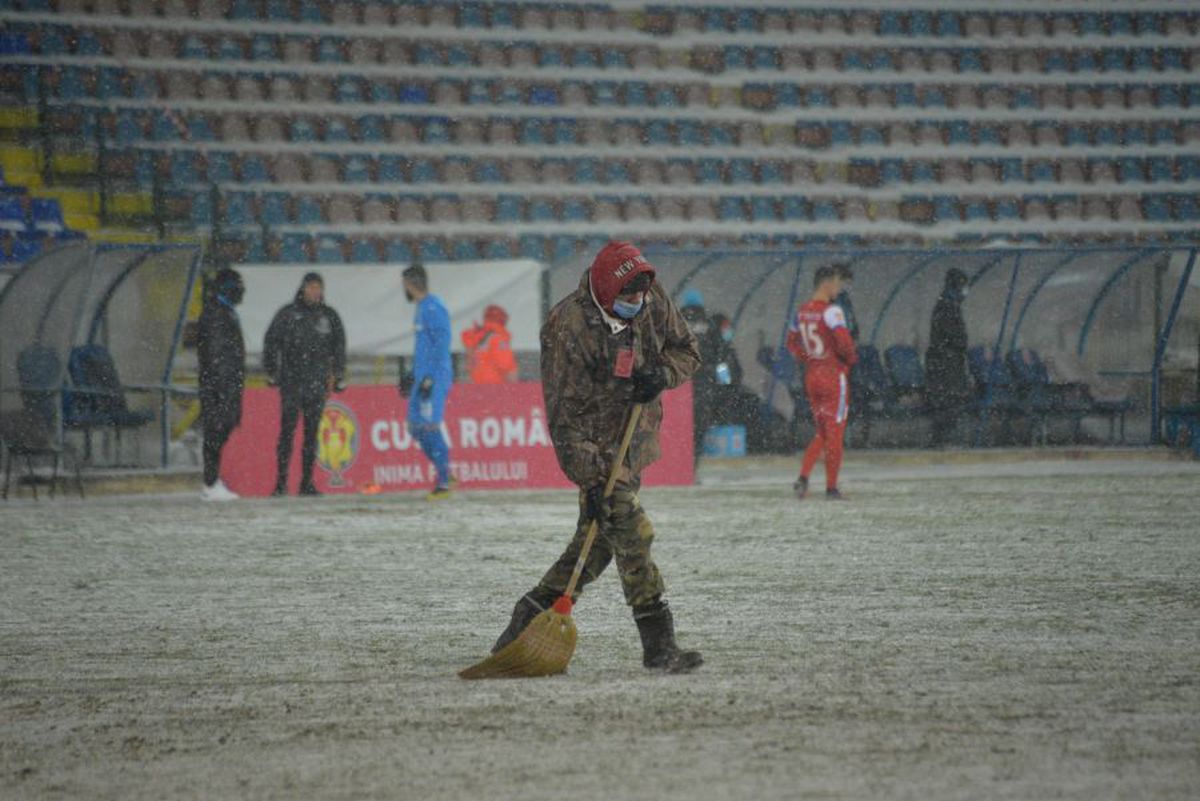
x,y
337,441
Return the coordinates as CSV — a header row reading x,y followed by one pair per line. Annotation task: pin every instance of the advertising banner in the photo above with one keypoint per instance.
x,y
497,433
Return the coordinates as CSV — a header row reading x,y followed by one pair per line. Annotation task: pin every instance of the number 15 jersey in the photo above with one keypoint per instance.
x,y
819,339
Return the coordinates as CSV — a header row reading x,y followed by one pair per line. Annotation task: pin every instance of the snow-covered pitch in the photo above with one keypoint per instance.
x,y
986,631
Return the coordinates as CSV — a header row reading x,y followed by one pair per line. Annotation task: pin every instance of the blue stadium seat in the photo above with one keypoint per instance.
x,y
787,95
947,24
310,12
308,210
1007,208
636,93
1186,207
763,208
228,49
920,23
1189,168
478,92
336,130
976,211
397,251
1130,168
329,51
575,210
905,94
437,131
464,250
219,166
109,84
390,169
509,208
302,129
293,248
1011,169
1114,60
584,58
721,136
488,172
604,93
1057,61
1142,60
657,132
741,171
904,368
891,171
263,48
1086,61
383,92
617,172
1077,134
414,93
959,132
922,172
1024,97
841,133
891,23
1135,134
970,61
871,135
183,167
371,128
771,172
422,170
237,210
498,249
532,246
689,132
1156,208
562,247
272,209
52,42
46,215
25,248
543,95
541,210
1091,24
329,249
532,132
825,211
200,208
817,97
946,208
731,208
710,171
614,59
356,169
745,20
1171,58
1042,172
458,55
764,58
244,9
1107,135
349,90
254,169
1160,169
664,97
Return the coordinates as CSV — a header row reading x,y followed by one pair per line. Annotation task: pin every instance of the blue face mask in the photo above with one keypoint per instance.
x,y
727,334
627,311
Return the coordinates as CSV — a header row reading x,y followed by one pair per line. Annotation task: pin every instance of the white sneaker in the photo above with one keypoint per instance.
x,y
219,492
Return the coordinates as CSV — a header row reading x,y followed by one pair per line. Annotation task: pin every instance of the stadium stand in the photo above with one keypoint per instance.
x,y
359,131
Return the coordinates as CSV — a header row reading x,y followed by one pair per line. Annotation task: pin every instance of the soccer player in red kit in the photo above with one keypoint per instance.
x,y
820,340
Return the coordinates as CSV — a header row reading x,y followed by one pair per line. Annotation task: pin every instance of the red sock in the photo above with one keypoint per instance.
x,y
811,454
833,436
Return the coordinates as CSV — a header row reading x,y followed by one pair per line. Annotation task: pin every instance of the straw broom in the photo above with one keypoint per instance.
x,y
546,645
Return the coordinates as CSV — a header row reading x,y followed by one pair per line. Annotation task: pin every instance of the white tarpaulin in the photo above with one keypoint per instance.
x,y
378,319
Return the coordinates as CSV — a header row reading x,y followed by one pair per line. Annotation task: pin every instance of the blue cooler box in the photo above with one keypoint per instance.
x,y
725,441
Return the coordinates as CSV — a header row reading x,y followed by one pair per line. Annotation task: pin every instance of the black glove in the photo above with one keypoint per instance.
x,y
648,384
406,384
598,507
426,388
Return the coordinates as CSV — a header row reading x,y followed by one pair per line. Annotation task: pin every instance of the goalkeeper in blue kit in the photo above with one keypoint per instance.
x,y
432,375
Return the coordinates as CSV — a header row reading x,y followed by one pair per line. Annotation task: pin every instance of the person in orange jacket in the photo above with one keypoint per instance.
x,y
489,353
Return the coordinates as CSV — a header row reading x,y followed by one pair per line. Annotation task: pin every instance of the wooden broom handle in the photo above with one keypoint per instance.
x,y
594,526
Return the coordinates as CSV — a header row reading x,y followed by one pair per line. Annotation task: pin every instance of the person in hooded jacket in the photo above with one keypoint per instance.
x,y
305,356
490,358
222,355
947,387
615,341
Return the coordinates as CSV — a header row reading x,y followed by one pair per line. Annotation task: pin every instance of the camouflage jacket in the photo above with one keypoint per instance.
x,y
587,406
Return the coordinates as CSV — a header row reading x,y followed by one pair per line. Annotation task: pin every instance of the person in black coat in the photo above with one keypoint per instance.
x,y
947,388
305,356
222,357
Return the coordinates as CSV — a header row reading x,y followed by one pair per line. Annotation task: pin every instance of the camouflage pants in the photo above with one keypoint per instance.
x,y
626,538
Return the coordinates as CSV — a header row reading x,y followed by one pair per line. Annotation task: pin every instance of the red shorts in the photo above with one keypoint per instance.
x,y
828,395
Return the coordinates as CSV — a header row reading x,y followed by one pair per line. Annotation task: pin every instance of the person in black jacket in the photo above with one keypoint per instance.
x,y
222,356
305,356
946,385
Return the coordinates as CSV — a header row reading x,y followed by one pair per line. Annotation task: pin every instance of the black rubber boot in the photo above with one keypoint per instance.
x,y
659,651
531,605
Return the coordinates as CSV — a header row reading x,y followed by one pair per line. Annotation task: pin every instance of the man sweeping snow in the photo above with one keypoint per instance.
x,y
615,341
